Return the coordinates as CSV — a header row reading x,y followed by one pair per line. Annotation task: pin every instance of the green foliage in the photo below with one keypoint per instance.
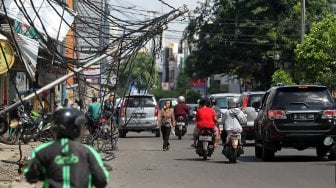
x,y
234,36
316,57
138,69
183,83
160,93
192,96
281,76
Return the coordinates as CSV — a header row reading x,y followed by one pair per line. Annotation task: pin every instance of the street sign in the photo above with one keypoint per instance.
x,y
6,56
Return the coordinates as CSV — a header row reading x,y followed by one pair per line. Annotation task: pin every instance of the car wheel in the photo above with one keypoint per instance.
x,y
157,133
122,133
267,154
321,151
257,150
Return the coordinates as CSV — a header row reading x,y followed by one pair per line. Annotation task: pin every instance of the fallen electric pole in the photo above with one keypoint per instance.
x,y
110,52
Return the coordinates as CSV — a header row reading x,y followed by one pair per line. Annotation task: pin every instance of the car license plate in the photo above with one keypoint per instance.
x,y
204,138
304,116
138,115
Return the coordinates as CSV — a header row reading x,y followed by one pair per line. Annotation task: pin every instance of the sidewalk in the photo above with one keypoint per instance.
x,y
9,175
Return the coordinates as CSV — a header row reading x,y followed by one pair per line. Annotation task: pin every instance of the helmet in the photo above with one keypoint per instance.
x,y
213,101
68,122
232,103
181,99
204,102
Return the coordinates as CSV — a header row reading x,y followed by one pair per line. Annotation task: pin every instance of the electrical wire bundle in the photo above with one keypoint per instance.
x,y
99,37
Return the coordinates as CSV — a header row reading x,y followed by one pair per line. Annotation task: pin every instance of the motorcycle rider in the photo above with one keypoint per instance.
x,y
109,105
66,162
205,118
216,109
181,109
233,119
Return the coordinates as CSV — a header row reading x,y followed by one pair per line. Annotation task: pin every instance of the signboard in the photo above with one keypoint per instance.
x,y
198,83
6,56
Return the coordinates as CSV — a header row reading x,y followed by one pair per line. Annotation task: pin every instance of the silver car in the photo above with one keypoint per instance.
x,y
139,113
245,102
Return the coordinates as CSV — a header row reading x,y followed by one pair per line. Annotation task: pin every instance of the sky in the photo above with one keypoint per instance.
x,y
176,27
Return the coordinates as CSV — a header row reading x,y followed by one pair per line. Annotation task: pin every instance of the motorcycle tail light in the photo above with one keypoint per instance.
x,y
276,114
180,118
234,132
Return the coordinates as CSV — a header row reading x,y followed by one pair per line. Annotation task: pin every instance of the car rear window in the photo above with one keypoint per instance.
x,y
139,101
222,102
163,102
254,98
299,98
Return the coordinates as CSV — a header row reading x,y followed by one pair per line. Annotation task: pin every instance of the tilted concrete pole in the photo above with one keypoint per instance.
x,y
109,52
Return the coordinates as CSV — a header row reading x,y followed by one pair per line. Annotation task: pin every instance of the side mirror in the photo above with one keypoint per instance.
x,y
256,105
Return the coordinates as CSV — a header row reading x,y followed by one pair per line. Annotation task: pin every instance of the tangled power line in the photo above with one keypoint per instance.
x,y
123,38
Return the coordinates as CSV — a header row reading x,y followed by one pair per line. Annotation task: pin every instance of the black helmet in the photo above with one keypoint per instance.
x,y
204,102
68,122
213,101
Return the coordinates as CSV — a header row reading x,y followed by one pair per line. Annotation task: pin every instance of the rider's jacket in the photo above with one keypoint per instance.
x,y
66,163
233,119
181,109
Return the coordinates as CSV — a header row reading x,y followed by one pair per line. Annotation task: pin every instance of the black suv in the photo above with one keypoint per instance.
x,y
298,116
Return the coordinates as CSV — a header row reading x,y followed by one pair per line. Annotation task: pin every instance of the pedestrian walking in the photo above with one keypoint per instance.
x,y
166,120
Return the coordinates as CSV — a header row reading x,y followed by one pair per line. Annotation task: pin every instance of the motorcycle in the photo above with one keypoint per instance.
x,y
330,142
233,148
29,127
180,128
205,143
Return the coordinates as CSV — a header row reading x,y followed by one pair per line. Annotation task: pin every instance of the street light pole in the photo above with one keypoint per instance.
x,y
303,25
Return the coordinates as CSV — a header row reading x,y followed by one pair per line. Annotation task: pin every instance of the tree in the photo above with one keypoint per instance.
x,y
316,57
235,36
138,70
183,83
280,76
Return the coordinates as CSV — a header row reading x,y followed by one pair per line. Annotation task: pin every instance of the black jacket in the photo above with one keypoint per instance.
x,y
66,163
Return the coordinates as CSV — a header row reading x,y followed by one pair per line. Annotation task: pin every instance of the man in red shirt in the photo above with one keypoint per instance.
x,y
205,118
181,109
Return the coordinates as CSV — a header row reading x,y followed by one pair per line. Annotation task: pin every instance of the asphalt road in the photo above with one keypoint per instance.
x,y
141,163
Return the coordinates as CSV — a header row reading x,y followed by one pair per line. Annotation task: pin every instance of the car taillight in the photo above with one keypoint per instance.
x,y
156,111
245,102
327,114
276,114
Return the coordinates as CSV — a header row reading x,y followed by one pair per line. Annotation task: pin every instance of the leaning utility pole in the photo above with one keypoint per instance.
x,y
110,52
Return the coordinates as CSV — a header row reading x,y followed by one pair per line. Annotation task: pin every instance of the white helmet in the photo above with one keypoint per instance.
x,y
181,98
232,103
